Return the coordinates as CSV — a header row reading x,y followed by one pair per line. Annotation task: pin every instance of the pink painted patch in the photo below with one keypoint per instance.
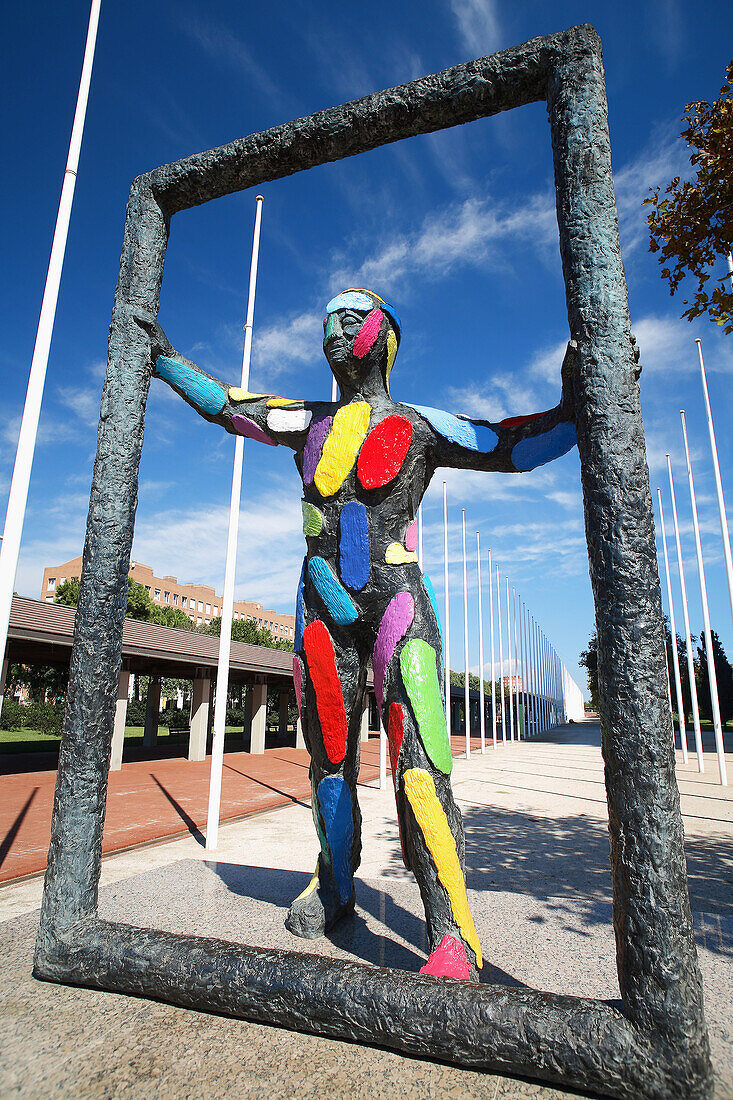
x,y
393,627
368,333
248,428
298,682
411,536
448,961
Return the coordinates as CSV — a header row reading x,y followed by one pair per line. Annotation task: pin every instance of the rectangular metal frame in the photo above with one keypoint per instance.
x,y
655,1042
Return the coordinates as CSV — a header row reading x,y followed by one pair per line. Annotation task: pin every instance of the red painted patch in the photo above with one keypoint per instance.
x,y
395,733
368,333
515,421
448,960
329,697
384,451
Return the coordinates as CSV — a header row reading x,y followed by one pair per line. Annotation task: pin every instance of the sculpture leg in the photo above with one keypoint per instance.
x,y
431,826
333,677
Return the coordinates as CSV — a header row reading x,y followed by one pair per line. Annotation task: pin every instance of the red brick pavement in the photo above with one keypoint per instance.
x,y
150,800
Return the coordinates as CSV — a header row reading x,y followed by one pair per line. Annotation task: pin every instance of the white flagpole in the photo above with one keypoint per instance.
x,y
517,723
20,480
537,710
482,716
724,532
334,389
501,658
447,611
525,671
686,620
225,639
712,677
673,629
466,689
493,670
509,660
382,755
419,538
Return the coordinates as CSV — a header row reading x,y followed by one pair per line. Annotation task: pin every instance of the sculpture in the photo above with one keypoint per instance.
x,y
651,1043
365,463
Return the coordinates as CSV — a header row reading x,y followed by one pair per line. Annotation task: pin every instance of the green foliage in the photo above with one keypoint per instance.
x,y
45,717
68,592
691,225
171,616
244,630
41,681
724,676
589,659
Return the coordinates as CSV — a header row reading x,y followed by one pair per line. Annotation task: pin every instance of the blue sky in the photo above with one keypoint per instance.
x,y
458,229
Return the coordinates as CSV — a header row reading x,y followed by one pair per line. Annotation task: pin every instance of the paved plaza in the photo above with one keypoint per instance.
x,y
539,882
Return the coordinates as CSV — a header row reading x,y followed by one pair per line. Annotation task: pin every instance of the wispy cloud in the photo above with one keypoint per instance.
x,y
663,157
280,348
478,26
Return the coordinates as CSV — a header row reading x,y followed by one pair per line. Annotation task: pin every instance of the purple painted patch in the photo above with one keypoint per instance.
x,y
248,428
411,536
298,682
319,429
393,627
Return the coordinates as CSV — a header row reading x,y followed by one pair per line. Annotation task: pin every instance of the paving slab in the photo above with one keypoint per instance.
x,y
539,885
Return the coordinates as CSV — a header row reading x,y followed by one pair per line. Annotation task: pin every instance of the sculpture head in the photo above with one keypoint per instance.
x,y
361,334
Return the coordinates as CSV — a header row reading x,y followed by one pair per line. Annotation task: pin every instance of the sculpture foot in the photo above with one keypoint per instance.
x,y
449,960
318,908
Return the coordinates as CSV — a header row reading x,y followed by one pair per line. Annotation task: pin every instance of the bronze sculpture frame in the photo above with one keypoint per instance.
x,y
655,1043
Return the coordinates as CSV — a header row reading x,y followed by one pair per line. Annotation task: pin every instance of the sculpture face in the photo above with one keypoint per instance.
x,y
360,337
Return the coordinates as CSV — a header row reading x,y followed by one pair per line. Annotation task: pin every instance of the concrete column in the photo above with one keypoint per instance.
x,y
199,718
259,718
299,738
118,731
247,730
152,712
284,703
365,717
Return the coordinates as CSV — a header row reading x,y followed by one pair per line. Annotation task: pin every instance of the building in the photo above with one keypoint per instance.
x,y
198,601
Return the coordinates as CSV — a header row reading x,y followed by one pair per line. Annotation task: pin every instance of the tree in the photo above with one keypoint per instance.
x,y
68,592
589,659
691,226
244,630
724,675
140,606
41,681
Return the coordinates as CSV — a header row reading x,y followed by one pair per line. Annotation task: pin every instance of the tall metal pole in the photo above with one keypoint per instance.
x,y
334,389
517,723
509,658
447,611
673,629
20,480
493,669
686,620
466,689
482,716
225,639
501,658
525,671
724,532
712,677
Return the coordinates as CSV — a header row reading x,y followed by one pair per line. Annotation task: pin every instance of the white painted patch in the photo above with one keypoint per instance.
x,y
288,420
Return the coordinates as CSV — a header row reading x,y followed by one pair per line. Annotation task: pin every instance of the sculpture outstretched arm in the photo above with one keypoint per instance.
x,y
264,417
516,444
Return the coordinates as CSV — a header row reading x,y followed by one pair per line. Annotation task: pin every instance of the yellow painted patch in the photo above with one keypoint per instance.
x,y
237,395
310,887
430,816
347,434
277,402
391,352
396,554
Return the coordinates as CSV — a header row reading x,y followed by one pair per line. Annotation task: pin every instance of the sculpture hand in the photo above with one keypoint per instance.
x,y
159,342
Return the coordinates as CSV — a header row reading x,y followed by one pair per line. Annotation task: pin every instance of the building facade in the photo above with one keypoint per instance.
x,y
198,601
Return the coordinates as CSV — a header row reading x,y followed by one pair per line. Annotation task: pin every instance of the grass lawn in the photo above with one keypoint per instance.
x,y
16,741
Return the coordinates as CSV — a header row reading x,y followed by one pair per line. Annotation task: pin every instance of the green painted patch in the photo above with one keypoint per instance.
x,y
418,665
312,519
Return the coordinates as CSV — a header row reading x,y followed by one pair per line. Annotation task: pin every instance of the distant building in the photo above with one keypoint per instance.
x,y
198,601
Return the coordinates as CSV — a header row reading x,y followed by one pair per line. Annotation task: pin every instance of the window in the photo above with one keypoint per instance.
x,y
51,583
208,609
157,593
49,599
216,610
166,597
175,599
61,580
184,600
236,614
198,621
201,608
147,589
192,618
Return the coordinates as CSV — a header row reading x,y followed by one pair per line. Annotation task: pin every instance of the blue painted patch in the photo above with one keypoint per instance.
x,y
536,450
201,391
334,799
354,564
332,592
428,586
298,639
350,299
474,437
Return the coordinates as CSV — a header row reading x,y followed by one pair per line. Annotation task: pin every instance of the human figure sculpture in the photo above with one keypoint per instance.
x,y
365,462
